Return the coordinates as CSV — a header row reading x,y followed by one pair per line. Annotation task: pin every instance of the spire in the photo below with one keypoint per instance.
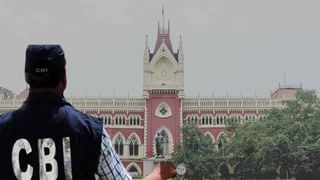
x,y
163,34
163,18
162,28
146,50
146,43
180,51
180,42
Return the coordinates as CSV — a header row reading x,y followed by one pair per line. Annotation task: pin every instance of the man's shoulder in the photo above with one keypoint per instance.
x,y
77,116
72,112
5,117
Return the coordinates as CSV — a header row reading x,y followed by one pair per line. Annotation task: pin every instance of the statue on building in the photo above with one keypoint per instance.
x,y
159,140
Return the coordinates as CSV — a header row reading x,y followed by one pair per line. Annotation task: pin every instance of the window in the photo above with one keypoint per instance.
x,y
219,120
120,120
207,119
106,120
138,120
117,120
163,110
209,137
133,171
133,146
134,120
119,145
222,140
193,119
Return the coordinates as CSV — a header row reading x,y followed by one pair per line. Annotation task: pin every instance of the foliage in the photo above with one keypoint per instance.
x,y
285,144
197,153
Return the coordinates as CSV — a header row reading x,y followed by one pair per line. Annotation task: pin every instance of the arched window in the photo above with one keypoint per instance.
x,y
106,120
109,120
220,143
222,140
134,120
131,120
133,171
209,136
133,146
194,120
117,121
119,145
218,120
187,120
120,120
123,120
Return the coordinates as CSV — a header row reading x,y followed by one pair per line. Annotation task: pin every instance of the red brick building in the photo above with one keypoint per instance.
x,y
133,123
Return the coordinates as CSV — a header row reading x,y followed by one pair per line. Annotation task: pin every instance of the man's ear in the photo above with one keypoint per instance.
x,y
63,82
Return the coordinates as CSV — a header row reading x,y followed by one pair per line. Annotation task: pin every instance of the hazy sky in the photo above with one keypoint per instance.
x,y
230,46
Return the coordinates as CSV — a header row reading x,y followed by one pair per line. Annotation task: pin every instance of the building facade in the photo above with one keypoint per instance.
x,y
133,123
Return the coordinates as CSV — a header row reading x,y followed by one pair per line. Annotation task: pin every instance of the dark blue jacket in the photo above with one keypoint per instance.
x,y
48,135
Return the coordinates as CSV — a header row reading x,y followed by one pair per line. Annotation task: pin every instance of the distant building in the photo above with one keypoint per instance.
x,y
286,92
133,123
6,94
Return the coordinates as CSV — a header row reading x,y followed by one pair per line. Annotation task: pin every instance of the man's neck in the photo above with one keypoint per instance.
x,y
46,90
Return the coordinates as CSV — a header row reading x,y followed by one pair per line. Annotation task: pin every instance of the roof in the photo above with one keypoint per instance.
x,y
163,37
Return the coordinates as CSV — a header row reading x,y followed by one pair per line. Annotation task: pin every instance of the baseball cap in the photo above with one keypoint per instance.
x,y
44,63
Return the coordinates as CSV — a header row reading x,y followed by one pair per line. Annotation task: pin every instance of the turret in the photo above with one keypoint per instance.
x,y
163,68
146,70
180,51
146,55
180,71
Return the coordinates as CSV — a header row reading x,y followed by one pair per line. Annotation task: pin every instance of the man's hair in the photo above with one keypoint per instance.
x,y
45,65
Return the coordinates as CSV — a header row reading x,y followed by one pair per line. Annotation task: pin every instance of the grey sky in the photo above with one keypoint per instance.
x,y
230,46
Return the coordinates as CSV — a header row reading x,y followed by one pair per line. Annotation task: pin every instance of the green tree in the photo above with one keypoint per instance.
x,y
198,154
285,144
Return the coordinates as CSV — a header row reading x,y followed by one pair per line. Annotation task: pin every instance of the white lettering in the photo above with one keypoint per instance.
x,y
41,70
47,151
48,166
17,147
67,158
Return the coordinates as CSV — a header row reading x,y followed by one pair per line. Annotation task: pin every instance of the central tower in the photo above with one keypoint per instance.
x,y
163,68
163,90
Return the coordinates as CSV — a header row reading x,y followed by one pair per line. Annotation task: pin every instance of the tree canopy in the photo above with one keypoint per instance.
x,y
198,154
286,143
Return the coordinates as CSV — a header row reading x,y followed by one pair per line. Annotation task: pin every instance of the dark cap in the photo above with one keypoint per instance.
x,y
44,62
